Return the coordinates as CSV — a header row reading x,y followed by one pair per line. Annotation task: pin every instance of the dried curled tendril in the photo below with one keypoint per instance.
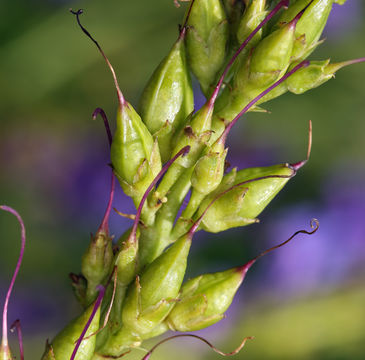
x,y
234,352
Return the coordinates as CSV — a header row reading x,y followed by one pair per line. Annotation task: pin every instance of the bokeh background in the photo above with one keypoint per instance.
x,y
306,301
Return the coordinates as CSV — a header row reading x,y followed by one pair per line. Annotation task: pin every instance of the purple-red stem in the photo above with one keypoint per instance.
x,y
101,112
16,325
95,309
6,304
122,101
104,226
303,64
182,152
314,225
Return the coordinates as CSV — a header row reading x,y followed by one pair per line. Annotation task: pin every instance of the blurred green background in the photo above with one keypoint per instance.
x,y
306,301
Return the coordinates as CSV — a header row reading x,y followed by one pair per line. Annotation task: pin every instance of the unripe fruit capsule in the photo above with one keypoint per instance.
x,y
168,97
206,41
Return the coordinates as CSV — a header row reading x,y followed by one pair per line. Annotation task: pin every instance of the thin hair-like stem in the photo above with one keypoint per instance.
x,y
106,319
104,226
101,112
314,224
187,16
17,326
119,92
299,164
4,342
234,352
89,321
182,152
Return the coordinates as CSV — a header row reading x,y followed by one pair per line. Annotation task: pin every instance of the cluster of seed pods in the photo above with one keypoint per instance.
x,y
242,53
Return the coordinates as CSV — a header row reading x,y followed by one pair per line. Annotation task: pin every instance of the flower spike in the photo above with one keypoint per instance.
x,y
234,352
4,348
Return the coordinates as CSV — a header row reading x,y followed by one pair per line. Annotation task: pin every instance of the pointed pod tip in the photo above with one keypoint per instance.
x,y
244,268
298,165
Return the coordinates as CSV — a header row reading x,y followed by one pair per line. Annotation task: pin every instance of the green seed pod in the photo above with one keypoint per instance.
x,y
271,57
241,205
98,259
209,170
168,99
63,345
126,263
195,134
207,176
268,63
151,298
317,73
310,77
96,263
310,26
206,41
134,154
254,14
204,300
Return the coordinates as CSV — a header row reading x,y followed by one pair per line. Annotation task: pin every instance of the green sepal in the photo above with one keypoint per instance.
x,y
204,300
271,58
314,75
168,97
150,299
62,346
241,205
206,41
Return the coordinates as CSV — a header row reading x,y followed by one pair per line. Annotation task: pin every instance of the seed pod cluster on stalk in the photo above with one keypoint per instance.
x,y
242,54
